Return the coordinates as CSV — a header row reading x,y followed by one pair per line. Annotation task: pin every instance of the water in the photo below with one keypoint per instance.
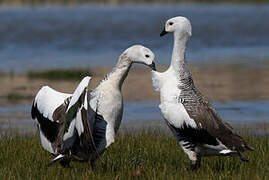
x,y
18,116
79,36
234,111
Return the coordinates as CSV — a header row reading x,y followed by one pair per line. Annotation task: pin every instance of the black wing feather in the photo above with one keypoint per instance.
x,y
49,128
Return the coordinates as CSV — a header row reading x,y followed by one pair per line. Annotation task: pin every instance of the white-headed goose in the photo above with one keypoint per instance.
x,y
90,120
195,123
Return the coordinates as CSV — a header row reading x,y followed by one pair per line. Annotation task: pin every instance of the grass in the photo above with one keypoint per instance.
x,y
144,155
60,74
14,97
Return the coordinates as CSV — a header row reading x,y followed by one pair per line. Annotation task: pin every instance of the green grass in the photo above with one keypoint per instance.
x,y
145,155
60,74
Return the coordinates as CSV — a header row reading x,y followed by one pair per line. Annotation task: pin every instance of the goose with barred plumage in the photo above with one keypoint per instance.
x,y
81,126
198,128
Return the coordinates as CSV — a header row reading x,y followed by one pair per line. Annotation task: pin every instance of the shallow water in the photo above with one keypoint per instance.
x,y
237,112
76,36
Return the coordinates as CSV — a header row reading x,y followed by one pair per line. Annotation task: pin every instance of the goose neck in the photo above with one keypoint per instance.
x,y
120,71
178,55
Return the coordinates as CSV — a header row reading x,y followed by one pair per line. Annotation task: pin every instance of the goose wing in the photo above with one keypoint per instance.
x,y
78,127
76,115
47,110
210,124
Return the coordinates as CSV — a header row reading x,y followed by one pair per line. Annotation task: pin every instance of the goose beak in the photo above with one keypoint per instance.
x,y
152,66
164,32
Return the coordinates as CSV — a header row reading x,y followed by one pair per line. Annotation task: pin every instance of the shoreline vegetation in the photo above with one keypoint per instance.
x,y
147,154
225,82
74,2
59,74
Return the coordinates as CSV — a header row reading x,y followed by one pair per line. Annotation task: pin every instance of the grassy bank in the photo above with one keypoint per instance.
x,y
225,82
60,74
145,155
33,2
16,94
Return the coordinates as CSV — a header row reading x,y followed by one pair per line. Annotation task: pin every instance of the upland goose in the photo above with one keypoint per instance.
x,y
196,125
82,125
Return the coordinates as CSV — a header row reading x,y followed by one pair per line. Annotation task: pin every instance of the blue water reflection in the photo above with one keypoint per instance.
x,y
234,111
92,35
239,112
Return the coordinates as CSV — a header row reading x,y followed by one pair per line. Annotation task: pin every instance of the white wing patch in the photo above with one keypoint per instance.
x,y
45,143
79,123
79,90
226,151
76,123
176,115
48,99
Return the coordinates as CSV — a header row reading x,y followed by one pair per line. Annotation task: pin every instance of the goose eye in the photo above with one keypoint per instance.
x,y
147,56
171,23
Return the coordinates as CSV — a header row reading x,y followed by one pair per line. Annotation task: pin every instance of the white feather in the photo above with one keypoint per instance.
x,y
60,156
226,151
156,82
172,110
79,90
69,136
48,99
176,115
45,143
77,122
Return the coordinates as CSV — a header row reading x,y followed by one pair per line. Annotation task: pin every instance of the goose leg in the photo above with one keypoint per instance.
x,y
93,159
195,158
65,163
195,164
95,156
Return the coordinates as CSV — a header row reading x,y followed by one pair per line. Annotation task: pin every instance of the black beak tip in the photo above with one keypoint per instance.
x,y
153,67
164,32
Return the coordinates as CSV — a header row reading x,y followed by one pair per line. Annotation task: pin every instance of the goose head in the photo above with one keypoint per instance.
x,y
179,25
141,54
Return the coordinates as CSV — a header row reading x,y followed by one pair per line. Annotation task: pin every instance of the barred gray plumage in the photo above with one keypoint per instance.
x,y
196,125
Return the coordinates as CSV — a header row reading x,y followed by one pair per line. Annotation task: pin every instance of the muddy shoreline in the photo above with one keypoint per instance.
x,y
225,82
